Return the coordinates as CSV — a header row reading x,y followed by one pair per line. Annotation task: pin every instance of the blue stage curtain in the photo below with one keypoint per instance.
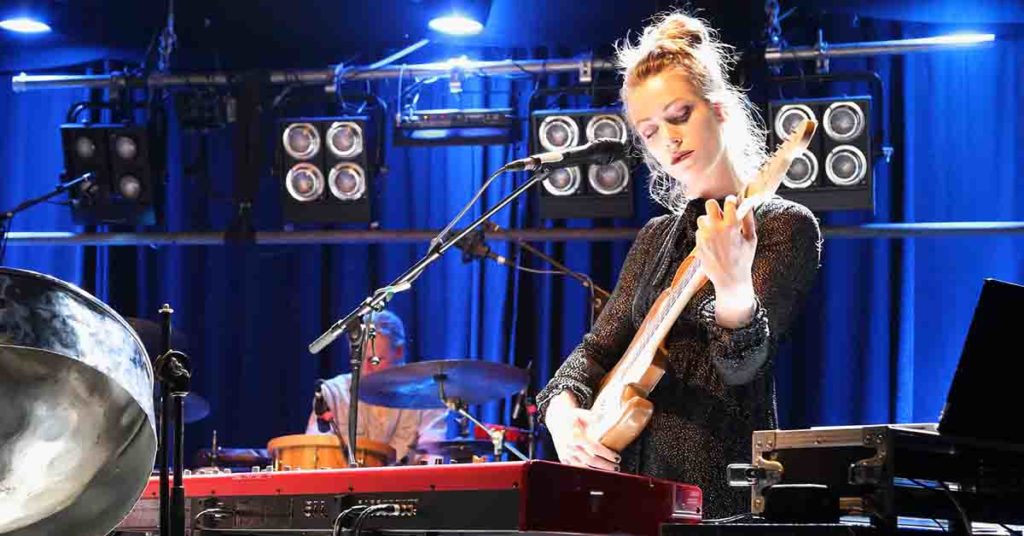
x,y
31,162
877,341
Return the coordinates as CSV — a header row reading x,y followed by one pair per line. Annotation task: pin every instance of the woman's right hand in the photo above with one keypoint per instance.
x,y
567,424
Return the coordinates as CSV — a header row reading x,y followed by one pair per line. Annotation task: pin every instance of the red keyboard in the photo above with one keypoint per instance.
x,y
507,496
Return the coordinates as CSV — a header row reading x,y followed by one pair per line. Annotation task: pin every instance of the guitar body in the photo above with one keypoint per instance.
x,y
621,406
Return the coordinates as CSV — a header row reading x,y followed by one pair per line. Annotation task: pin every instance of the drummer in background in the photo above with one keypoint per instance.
x,y
402,429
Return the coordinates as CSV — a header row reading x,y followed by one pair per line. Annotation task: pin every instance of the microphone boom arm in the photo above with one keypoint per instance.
x,y
380,297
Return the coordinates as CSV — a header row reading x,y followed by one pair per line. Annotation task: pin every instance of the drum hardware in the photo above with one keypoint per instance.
x,y
526,401
197,408
239,459
172,369
448,383
497,436
459,450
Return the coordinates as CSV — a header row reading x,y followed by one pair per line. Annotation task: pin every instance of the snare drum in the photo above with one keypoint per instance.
x,y
316,451
512,434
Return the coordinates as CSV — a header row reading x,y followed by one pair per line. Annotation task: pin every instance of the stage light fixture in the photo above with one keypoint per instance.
x,y
835,171
498,126
327,169
124,188
458,17
594,191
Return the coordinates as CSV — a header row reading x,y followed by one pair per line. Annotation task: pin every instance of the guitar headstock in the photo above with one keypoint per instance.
x,y
767,181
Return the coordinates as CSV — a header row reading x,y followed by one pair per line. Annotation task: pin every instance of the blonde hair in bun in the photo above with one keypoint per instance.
x,y
676,40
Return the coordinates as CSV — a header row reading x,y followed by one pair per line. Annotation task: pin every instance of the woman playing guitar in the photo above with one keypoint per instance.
x,y
703,147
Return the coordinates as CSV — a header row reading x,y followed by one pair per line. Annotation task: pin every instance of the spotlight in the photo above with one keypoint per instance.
x,y
606,126
564,181
24,25
802,172
607,191
124,189
27,16
558,132
846,165
129,187
304,182
345,139
326,168
835,172
609,179
347,181
301,141
843,121
789,116
459,17
125,147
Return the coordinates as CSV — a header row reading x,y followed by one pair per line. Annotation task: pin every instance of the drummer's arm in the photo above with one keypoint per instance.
x,y
415,427
405,436
433,425
312,428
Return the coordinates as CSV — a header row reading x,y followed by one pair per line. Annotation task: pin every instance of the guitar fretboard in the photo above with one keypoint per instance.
x,y
664,311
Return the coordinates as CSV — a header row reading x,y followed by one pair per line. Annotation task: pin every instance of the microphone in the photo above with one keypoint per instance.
x,y
87,189
324,416
521,395
600,151
473,247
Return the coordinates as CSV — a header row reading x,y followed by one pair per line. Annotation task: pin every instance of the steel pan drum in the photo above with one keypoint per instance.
x,y
77,430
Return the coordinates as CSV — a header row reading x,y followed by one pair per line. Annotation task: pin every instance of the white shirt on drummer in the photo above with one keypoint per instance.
x,y
403,429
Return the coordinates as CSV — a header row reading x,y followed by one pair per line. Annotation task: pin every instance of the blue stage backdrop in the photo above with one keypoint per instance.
x,y
878,340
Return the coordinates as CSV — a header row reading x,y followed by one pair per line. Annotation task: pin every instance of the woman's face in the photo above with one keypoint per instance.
x,y
681,129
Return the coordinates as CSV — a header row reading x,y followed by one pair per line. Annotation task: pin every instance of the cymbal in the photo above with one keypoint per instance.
x,y
415,385
150,334
196,408
456,448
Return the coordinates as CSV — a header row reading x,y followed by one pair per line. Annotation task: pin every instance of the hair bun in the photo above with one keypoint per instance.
x,y
678,31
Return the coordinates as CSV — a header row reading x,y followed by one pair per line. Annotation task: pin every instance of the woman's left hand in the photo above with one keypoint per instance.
x,y
725,248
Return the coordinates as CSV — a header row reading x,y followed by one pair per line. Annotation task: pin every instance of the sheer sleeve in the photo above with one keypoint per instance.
x,y
785,265
600,349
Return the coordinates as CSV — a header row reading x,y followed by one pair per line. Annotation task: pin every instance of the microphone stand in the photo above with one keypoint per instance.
x,y
357,342
601,295
6,217
379,299
357,322
172,369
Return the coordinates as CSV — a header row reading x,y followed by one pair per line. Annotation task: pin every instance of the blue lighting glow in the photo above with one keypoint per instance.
x,y
24,25
957,39
964,39
456,24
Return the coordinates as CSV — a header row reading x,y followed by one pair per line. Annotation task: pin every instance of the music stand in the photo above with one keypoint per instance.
x,y
983,400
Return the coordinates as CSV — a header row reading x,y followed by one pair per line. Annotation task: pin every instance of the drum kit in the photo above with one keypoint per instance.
x,y
455,384
452,384
78,430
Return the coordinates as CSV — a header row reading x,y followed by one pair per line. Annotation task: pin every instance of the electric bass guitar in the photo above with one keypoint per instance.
x,y
621,405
